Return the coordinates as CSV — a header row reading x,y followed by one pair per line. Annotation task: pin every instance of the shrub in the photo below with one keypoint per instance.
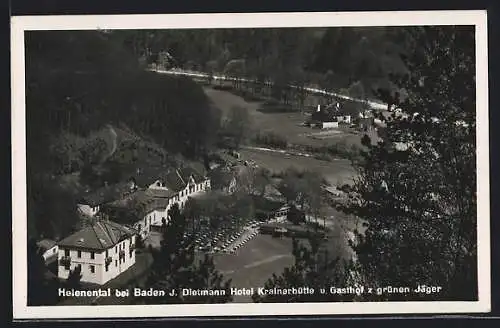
x,y
271,139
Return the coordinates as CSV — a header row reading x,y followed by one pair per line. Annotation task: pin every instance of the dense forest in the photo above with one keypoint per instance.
x,y
333,58
77,84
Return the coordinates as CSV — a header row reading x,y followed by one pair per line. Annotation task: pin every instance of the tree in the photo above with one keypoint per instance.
x,y
313,193
41,290
52,209
295,215
416,188
175,267
261,180
74,277
238,124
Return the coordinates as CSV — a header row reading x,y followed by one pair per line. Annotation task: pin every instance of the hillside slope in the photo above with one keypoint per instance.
x,y
92,113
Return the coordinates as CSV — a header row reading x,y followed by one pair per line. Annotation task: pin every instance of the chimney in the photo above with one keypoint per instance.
x,y
319,108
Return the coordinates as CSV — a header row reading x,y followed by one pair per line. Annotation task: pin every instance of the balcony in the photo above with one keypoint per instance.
x,y
65,261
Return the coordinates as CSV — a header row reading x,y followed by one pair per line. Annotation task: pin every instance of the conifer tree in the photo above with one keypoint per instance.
x,y
417,186
177,266
314,268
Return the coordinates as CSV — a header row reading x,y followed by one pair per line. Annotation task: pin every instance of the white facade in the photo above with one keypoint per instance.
x,y
329,125
88,210
344,119
93,263
192,189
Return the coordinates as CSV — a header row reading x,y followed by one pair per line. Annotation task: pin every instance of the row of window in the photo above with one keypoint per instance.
x,y
92,267
79,254
120,246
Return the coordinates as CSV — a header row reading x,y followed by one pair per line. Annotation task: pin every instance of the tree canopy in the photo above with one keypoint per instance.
x,y
177,266
417,186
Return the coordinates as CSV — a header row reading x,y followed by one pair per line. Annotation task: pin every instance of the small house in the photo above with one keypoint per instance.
x,y
323,119
102,251
48,248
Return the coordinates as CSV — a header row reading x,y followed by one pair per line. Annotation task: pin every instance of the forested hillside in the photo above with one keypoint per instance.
x,y
78,85
331,57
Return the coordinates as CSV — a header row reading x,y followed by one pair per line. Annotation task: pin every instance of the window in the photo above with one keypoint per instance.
x,y
107,253
79,254
66,252
107,268
54,250
92,255
116,262
116,249
92,269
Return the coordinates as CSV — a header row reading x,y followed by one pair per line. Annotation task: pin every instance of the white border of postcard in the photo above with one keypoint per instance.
x,y
21,24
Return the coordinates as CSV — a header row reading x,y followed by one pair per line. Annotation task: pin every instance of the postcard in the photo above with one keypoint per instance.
x,y
250,164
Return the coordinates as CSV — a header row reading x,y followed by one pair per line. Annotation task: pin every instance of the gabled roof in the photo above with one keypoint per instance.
x,y
148,175
187,172
134,207
323,116
174,181
105,194
100,235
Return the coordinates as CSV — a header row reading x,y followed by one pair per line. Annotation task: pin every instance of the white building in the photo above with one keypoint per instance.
x,y
341,115
146,209
103,251
323,119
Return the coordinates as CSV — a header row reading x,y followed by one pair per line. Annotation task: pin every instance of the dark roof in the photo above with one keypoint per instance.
x,y
148,175
174,181
134,207
323,116
100,235
350,107
105,194
187,172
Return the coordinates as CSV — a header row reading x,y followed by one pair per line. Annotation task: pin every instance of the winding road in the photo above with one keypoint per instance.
x,y
311,89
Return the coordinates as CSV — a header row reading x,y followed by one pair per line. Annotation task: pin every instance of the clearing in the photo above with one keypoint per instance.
x,y
288,125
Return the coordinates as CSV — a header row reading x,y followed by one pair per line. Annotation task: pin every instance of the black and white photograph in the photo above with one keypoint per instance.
x,y
267,164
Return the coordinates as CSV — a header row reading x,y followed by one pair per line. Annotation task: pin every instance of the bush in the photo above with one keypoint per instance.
x,y
271,139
